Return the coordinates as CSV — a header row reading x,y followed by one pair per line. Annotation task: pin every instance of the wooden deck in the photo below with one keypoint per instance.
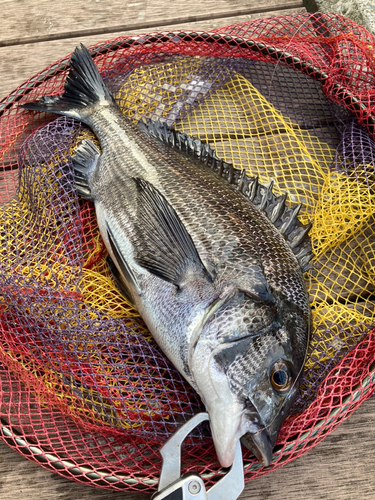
x,y
35,33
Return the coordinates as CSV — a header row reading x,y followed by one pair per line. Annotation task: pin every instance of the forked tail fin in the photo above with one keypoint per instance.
x,y
84,87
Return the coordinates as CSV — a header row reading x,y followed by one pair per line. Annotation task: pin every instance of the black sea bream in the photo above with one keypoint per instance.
x,y
194,247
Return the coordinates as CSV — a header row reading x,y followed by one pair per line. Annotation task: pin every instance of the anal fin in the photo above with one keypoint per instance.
x,y
123,275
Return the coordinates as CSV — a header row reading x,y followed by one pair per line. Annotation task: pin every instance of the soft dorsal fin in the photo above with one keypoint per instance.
x,y
165,247
285,219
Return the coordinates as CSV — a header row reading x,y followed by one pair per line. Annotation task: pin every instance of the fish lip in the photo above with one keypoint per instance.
x,y
253,435
260,443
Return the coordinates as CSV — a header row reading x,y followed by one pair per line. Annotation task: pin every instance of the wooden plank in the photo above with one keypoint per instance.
x,y
37,20
339,468
21,62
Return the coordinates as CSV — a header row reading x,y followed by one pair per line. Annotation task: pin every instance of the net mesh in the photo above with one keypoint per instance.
x,y
84,388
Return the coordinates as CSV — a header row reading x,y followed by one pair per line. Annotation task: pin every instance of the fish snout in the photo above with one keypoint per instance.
x,y
253,435
260,438
233,424
260,443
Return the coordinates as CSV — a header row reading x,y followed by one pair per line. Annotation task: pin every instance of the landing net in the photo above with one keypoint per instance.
x,y
84,388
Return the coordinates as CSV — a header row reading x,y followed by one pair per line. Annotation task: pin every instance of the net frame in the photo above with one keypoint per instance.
x,y
360,390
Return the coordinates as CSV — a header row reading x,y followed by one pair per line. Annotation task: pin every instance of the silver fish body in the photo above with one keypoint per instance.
x,y
216,283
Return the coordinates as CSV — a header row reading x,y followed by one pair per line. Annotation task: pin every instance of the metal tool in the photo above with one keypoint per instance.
x,y
191,486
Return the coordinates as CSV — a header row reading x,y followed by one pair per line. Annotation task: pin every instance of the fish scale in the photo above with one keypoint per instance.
x,y
194,250
189,186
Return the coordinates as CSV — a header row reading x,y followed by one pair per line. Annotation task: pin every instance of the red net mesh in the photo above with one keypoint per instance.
x,y
85,390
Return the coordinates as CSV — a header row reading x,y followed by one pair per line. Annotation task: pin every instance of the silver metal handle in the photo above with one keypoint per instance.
x,y
171,451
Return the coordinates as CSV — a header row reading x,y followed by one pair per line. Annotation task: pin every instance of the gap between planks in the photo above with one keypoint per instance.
x,y
40,23
19,63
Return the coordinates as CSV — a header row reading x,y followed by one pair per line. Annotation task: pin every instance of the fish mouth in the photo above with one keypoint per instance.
x,y
260,444
231,425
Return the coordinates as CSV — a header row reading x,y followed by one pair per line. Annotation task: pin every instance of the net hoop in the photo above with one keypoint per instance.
x,y
52,462
363,390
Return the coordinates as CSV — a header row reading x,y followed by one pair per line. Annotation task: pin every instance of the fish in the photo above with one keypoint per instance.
x,y
211,258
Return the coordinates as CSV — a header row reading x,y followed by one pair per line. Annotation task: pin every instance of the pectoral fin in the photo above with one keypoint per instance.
x,y
164,246
85,159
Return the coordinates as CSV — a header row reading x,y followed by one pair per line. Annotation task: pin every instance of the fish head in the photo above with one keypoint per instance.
x,y
246,365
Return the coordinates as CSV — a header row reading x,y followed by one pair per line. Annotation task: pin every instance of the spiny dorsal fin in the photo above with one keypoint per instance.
x,y
165,247
285,219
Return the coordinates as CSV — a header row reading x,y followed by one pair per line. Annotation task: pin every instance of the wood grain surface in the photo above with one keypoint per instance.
x,y
35,33
32,21
20,62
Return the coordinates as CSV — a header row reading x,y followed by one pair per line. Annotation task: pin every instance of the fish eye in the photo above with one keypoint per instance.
x,y
281,378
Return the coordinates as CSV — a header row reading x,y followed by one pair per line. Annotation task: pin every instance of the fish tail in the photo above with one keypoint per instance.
x,y
84,88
